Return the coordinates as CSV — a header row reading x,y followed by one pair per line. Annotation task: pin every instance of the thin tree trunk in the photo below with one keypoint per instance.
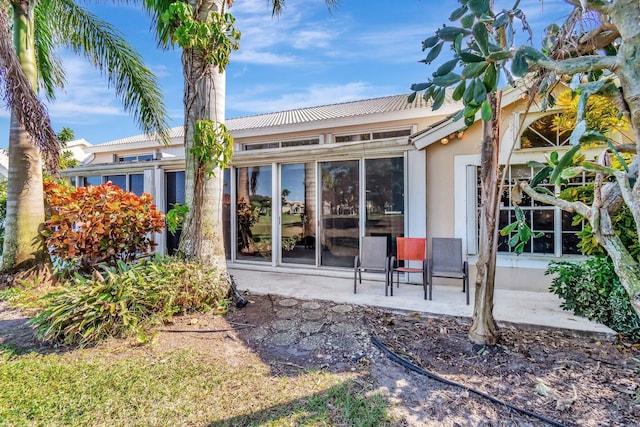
x,y
23,245
483,328
202,237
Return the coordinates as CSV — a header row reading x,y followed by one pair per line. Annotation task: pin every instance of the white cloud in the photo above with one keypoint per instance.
x,y
313,39
265,99
263,58
86,93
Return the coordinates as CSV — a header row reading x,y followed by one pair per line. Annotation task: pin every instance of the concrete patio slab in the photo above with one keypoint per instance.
x,y
521,308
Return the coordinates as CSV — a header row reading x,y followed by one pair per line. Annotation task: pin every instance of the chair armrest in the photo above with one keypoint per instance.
x,y
356,261
392,262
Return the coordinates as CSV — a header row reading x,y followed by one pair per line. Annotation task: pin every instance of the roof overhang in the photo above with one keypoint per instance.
x,y
436,132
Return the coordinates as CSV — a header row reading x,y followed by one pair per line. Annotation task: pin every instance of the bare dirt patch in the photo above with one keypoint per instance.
x,y
574,381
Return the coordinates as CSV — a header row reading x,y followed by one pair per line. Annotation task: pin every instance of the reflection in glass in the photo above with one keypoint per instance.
x,y
92,180
226,212
384,187
174,191
298,213
254,213
117,180
340,216
136,183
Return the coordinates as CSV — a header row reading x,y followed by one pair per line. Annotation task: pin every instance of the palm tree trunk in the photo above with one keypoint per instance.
x,y
483,328
202,237
25,202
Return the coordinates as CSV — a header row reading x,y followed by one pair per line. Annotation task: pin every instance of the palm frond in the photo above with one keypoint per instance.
x,y
156,8
106,48
51,73
17,93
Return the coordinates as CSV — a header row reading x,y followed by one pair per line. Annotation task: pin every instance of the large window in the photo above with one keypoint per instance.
x,y
174,193
384,189
129,182
340,215
254,233
558,232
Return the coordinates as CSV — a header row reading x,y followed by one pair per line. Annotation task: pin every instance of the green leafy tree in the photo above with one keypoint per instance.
x,y
600,61
481,47
39,26
205,32
66,157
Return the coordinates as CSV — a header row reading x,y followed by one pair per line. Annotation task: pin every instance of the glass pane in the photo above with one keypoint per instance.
x,y
570,244
544,244
391,134
567,221
384,189
136,183
254,213
226,212
340,218
174,182
92,180
300,142
543,220
298,213
117,180
353,138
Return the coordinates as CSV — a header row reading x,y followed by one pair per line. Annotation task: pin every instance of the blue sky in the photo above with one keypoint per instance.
x,y
306,57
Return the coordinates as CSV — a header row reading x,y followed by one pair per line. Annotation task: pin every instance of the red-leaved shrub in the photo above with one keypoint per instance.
x,y
99,224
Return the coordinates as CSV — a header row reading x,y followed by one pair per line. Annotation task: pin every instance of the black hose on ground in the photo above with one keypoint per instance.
x,y
415,368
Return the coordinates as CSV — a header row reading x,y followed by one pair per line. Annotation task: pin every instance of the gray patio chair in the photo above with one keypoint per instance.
x,y
446,261
373,257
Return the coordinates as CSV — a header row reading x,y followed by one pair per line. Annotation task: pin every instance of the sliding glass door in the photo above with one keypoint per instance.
x,y
340,217
298,213
254,191
384,189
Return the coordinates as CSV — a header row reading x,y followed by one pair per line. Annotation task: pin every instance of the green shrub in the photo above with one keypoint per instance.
x,y
126,299
592,289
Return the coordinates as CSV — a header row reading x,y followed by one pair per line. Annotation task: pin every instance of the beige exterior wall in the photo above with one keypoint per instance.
x,y
447,198
443,212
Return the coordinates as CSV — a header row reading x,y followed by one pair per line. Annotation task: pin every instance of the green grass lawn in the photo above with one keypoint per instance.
x,y
95,387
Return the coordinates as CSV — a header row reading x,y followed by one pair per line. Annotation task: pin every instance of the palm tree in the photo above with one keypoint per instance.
x,y
39,26
204,99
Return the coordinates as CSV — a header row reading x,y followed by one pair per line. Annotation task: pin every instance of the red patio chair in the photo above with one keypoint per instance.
x,y
409,249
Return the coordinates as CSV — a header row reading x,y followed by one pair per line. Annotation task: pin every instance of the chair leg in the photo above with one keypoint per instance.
x,y
355,280
386,283
391,285
430,285
425,283
466,284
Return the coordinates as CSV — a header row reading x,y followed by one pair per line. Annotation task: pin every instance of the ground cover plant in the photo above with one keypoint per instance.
x,y
127,299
